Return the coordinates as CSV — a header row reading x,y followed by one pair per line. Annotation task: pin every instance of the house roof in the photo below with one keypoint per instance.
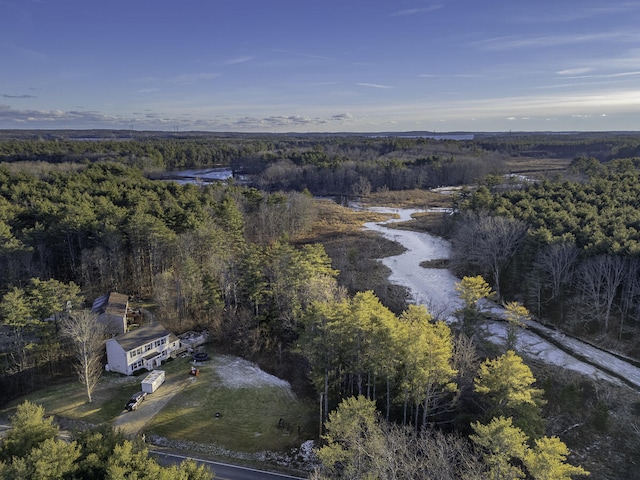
x,y
140,336
113,304
151,355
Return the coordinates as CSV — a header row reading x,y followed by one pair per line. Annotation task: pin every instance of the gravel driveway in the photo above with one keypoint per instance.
x,y
131,423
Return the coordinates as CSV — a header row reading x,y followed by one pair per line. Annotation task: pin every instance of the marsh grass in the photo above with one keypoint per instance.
x,y
407,199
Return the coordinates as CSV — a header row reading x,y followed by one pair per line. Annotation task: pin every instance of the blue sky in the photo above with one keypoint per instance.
x,y
320,66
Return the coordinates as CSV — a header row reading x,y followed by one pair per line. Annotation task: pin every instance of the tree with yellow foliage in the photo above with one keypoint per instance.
x,y
507,455
507,383
471,291
428,366
516,315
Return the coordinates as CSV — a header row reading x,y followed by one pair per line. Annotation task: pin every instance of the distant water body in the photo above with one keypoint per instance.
x,y
453,136
433,136
206,175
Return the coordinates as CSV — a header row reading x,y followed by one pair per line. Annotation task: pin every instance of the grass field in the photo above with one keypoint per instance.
x,y
254,414
250,410
69,400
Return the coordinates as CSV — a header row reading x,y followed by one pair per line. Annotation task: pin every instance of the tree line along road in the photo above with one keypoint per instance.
x,y
223,471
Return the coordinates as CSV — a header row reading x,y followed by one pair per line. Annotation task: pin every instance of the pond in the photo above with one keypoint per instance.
x,y
205,175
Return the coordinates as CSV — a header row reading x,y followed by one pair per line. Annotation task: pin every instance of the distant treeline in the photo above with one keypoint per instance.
x,y
323,164
604,146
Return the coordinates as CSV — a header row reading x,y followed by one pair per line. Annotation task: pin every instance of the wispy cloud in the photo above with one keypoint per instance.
x,y
27,53
373,85
183,78
574,71
292,54
546,41
5,95
620,64
416,11
560,104
579,12
451,75
188,78
237,60
606,75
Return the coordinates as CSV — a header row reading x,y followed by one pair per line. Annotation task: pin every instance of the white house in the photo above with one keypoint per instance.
x,y
145,347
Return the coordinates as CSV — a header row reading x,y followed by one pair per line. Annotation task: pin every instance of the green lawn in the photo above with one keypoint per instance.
x,y
248,422
69,400
249,419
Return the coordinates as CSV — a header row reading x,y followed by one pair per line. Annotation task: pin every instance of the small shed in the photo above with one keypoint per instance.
x,y
152,381
193,339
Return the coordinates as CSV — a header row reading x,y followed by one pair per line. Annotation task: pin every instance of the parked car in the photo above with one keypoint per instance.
x,y
135,400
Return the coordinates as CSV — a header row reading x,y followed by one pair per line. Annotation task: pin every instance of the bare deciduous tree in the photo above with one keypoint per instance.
x,y
488,243
87,336
599,279
557,262
630,296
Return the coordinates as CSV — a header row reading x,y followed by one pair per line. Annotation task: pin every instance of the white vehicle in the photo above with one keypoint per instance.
x,y
135,400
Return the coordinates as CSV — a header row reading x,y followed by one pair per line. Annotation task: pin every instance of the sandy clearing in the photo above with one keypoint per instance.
x,y
236,372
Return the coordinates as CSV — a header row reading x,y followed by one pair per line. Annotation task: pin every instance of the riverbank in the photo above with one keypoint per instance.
x,y
435,288
593,395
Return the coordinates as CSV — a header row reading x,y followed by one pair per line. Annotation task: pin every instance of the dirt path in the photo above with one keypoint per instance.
x,y
131,423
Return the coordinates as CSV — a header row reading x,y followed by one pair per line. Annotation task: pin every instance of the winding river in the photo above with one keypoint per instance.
x,y
435,288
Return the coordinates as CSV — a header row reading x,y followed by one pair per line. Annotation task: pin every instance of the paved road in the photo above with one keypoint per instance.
x,y
223,471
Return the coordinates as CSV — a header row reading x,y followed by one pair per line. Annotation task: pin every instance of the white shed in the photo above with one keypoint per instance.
x,y
152,381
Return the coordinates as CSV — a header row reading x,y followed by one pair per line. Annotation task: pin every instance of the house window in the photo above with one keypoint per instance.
x,y
139,351
132,354
163,341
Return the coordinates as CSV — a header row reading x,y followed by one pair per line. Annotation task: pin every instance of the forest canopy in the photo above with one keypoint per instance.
x,y
577,260
238,258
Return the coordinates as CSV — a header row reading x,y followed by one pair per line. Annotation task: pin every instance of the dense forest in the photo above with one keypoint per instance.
x,y
214,257
568,247
84,213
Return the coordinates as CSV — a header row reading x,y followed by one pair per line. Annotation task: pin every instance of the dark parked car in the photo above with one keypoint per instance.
x,y
135,400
